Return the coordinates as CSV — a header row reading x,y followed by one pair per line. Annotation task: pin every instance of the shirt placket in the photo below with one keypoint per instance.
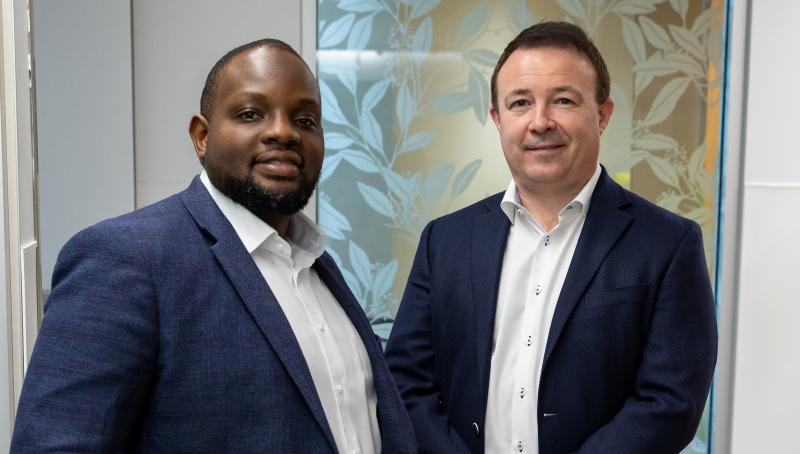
x,y
330,344
523,393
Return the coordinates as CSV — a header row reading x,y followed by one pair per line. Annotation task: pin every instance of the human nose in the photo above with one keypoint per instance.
x,y
280,129
541,120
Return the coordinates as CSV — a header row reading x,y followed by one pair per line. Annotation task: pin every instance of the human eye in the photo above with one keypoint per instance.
x,y
564,101
249,115
519,103
307,122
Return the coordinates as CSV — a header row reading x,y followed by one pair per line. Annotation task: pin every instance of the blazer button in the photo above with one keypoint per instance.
x,y
476,429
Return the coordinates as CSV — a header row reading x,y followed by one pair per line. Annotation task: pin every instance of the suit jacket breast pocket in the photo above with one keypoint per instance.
x,y
619,295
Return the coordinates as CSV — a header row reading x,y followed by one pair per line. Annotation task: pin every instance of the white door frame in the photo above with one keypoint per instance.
x,y
19,271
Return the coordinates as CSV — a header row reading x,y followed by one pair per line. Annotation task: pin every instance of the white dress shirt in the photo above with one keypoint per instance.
x,y
535,265
335,354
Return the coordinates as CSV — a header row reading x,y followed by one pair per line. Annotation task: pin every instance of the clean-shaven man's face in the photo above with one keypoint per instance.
x,y
548,119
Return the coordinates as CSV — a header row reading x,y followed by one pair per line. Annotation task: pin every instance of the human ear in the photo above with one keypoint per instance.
x,y
495,114
604,111
198,131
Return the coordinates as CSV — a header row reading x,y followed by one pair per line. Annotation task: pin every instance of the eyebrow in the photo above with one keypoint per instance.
x,y
557,89
307,102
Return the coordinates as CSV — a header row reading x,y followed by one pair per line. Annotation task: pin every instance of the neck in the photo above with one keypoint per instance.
x,y
545,204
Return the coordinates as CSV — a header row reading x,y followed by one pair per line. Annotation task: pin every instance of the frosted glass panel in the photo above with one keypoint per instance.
x,y
405,87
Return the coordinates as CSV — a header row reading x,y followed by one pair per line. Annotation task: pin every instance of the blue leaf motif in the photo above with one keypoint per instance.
x,y
655,33
400,187
336,32
384,279
453,102
479,91
474,22
436,182
360,6
572,7
372,130
360,263
463,178
633,7
376,199
329,166
352,282
520,16
417,141
374,95
330,106
680,6
406,107
634,40
359,37
347,76
423,7
483,57
655,142
333,222
335,256
360,160
421,42
383,330
337,141
666,100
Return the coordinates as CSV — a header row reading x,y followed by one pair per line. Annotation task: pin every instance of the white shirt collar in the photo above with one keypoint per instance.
x,y
511,201
253,232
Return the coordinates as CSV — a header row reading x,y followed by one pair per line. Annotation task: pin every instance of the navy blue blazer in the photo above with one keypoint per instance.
x,y
631,349
161,335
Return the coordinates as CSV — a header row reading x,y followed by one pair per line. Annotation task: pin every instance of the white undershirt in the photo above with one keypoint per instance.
x,y
535,265
334,352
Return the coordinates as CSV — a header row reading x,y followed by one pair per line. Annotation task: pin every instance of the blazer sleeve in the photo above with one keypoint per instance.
x,y
95,359
663,411
411,359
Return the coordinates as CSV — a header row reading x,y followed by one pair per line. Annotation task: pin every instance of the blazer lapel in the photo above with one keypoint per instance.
x,y
255,294
391,411
604,224
488,246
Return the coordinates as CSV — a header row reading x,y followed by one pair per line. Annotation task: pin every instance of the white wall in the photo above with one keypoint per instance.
x,y
6,388
175,44
84,112
766,386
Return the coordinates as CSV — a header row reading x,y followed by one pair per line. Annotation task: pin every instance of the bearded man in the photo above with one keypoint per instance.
x,y
214,321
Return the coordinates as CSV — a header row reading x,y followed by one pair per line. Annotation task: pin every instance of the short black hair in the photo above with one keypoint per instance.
x,y
560,35
212,81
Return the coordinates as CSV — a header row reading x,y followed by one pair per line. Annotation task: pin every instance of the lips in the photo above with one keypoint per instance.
x,y
543,147
279,163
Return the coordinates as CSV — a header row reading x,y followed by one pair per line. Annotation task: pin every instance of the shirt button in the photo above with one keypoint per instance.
x,y
321,328
339,389
520,446
569,207
538,289
530,340
522,393
547,240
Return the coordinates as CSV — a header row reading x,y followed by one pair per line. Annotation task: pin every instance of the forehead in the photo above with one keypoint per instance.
x,y
546,65
268,71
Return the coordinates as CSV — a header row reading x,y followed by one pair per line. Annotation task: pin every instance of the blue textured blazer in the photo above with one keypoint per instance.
x,y
631,349
161,335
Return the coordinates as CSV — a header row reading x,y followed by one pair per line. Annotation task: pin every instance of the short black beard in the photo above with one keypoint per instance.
x,y
261,201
